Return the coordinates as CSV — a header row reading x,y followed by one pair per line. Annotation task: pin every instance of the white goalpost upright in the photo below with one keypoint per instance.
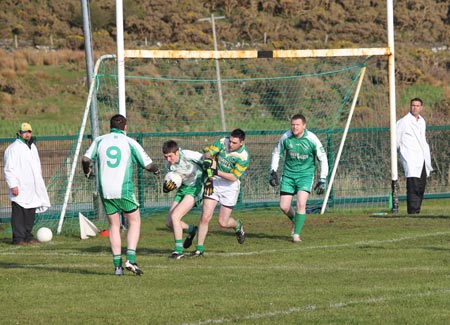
x,y
120,58
392,105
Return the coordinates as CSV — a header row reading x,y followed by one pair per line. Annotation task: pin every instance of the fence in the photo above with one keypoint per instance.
x,y
363,176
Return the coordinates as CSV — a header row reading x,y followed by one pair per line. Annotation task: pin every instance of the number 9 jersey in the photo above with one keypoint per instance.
x,y
116,153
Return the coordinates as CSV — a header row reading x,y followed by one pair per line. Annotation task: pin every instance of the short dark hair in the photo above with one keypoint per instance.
x,y
299,117
238,133
170,147
417,99
118,121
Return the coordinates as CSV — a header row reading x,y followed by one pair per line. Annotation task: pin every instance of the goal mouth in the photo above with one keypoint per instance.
x,y
197,98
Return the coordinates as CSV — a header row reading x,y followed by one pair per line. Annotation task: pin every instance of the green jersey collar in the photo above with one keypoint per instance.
x,y
114,130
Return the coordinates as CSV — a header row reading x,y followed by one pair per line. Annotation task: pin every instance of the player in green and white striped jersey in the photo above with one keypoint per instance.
x,y
188,164
225,162
301,148
116,154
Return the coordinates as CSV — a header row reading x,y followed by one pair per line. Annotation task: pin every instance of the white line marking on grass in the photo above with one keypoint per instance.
x,y
14,250
312,308
302,247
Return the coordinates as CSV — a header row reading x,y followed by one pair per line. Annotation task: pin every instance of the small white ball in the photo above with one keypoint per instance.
x,y
44,234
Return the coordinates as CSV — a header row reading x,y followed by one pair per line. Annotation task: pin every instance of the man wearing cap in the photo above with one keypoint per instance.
x,y
27,189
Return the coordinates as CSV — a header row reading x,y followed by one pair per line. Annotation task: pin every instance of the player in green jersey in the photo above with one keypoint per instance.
x,y
188,164
116,153
301,148
225,162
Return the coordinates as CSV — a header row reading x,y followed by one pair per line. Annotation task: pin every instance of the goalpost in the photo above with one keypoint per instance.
x,y
173,94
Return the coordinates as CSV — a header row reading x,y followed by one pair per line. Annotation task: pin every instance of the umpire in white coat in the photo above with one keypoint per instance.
x,y
27,189
414,154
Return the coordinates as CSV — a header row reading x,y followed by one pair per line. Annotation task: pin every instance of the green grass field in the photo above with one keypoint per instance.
x,y
351,268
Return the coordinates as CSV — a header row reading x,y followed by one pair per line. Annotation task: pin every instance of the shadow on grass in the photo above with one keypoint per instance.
x,y
248,234
41,267
414,216
6,241
437,249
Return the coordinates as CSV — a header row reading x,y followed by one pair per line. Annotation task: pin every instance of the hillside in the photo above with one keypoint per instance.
x,y
40,85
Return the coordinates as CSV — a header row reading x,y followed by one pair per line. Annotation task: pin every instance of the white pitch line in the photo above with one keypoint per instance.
x,y
298,247
370,242
312,308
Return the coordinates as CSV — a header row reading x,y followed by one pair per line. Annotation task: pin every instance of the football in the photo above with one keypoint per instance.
x,y
44,235
174,177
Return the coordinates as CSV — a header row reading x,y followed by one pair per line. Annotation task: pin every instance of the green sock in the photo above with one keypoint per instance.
x,y
179,246
131,255
299,220
239,224
192,230
200,248
291,218
117,260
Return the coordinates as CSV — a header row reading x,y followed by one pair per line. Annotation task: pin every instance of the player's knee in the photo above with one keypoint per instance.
x,y
284,208
205,219
223,224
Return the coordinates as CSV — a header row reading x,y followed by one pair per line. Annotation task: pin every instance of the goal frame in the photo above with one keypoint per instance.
x,y
388,51
123,54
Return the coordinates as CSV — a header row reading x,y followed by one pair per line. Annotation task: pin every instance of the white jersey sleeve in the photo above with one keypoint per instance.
x,y
278,151
321,156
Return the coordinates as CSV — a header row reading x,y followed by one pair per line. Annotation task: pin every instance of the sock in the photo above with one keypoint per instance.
x,y
200,248
117,260
192,229
291,218
239,224
299,220
131,255
179,246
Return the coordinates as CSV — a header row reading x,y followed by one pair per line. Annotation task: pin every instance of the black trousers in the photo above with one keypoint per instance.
x,y
415,189
22,222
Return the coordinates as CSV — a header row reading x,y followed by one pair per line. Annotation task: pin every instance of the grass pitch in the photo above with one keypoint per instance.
x,y
351,268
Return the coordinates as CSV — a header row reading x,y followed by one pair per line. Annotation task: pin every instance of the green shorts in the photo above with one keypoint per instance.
x,y
195,191
120,205
293,185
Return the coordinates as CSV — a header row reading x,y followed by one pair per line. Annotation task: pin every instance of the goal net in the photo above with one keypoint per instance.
x,y
195,99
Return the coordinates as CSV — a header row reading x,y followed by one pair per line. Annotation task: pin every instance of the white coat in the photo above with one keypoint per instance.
x,y
412,145
23,170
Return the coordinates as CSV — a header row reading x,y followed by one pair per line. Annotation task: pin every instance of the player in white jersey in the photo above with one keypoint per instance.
x,y
115,154
301,148
188,164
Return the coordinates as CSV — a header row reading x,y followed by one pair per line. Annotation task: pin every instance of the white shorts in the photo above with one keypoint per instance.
x,y
225,192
